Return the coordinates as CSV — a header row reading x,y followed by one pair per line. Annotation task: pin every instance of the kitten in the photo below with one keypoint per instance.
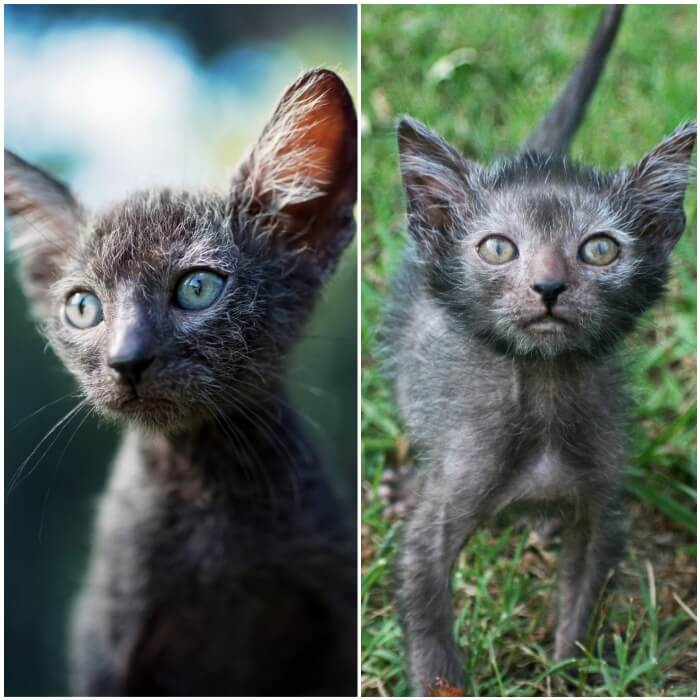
x,y
221,563
521,280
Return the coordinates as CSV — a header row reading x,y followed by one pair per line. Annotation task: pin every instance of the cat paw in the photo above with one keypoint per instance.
x,y
546,532
396,491
440,688
549,531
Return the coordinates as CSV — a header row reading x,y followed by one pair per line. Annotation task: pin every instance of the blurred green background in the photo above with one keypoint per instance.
x,y
482,76
111,98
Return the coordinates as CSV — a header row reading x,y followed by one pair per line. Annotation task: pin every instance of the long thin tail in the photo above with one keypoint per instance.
x,y
556,130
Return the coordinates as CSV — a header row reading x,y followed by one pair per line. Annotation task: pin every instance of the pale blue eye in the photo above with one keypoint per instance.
x,y
199,289
83,310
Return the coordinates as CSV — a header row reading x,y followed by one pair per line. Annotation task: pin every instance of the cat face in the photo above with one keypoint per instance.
x,y
180,320
174,307
536,256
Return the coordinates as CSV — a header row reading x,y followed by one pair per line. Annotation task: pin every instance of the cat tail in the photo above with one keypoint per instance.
x,y
556,130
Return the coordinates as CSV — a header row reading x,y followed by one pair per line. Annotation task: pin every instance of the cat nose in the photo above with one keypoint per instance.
x,y
549,291
130,369
130,352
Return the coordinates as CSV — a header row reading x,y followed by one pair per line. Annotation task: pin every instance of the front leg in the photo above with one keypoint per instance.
x,y
444,517
591,548
93,668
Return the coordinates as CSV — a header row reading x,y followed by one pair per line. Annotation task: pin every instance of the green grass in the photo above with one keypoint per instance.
x,y
482,76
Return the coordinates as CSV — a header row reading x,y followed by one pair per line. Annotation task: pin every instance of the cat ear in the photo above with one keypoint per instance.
x,y
299,181
657,184
434,174
44,219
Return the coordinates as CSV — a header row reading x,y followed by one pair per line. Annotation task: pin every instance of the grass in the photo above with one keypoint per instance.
x,y
482,76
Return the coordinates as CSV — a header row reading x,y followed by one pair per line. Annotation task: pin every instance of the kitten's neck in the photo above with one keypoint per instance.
x,y
559,366
561,361
257,452
562,381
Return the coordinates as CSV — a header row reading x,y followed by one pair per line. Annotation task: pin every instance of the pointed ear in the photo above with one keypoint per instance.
x,y
299,181
657,184
44,220
435,176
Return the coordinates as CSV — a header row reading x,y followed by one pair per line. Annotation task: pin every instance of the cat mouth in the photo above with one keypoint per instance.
x,y
145,410
127,399
547,322
130,402
133,396
137,402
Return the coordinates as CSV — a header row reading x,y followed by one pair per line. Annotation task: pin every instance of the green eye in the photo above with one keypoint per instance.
x,y
83,310
599,250
497,250
199,289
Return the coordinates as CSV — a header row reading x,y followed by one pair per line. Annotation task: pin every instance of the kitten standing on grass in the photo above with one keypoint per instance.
x,y
503,337
221,563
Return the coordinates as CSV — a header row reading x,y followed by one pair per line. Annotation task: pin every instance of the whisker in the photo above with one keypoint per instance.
x,y
19,473
55,471
42,408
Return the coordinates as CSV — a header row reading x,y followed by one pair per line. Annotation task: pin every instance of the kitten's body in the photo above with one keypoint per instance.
x,y
506,369
218,573
222,563
498,433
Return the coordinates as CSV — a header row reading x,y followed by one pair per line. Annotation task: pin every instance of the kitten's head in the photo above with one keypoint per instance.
x,y
172,307
537,256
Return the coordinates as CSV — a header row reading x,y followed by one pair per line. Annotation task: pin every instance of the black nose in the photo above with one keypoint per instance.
x,y
130,369
549,291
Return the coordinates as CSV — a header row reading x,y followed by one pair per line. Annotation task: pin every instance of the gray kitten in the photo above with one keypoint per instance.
x,y
221,563
521,280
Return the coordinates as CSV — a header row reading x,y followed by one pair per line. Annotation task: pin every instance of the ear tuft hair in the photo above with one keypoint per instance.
x,y
299,181
656,186
437,179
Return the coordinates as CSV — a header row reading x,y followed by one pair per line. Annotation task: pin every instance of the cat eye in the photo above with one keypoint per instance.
x,y
83,310
599,250
198,290
497,250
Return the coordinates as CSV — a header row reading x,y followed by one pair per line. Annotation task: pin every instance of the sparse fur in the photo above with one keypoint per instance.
x,y
504,416
222,564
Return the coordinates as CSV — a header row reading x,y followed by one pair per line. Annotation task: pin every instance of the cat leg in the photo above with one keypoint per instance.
x,y
590,551
92,664
443,518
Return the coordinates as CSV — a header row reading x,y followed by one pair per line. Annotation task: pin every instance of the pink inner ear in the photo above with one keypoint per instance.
x,y
320,135
325,137
300,180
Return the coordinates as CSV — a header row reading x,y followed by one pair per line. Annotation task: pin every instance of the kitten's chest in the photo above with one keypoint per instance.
x,y
564,431
200,512
545,475
556,405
